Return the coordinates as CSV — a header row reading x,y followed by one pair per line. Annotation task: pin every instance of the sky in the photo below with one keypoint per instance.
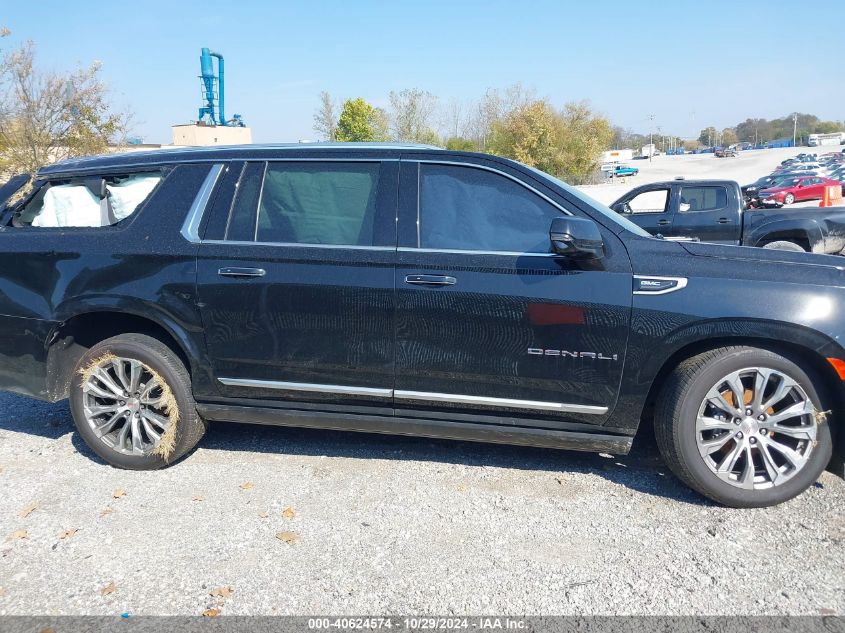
x,y
691,64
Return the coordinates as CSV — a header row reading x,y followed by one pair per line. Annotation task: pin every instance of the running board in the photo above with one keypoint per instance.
x,y
466,431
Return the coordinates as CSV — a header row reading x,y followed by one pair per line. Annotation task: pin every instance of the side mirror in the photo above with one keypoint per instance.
x,y
621,207
578,238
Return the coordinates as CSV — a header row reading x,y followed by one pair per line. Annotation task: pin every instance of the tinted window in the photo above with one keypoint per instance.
x,y
703,199
465,208
241,225
649,201
318,203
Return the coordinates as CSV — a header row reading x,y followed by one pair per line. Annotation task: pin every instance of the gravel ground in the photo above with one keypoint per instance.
x,y
397,525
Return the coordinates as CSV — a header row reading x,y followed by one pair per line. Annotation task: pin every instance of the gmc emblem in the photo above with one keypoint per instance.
x,y
535,351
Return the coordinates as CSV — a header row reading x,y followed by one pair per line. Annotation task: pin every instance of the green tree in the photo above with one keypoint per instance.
x,y
829,127
461,144
565,143
360,121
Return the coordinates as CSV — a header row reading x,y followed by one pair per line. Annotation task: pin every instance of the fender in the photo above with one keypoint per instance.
x,y
767,230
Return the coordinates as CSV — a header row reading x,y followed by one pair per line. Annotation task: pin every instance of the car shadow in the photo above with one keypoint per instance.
x,y
641,470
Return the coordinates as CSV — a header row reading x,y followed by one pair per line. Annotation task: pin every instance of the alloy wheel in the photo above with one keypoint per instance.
x,y
756,428
123,402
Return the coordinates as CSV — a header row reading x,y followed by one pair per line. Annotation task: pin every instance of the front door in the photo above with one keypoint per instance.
x,y
296,288
490,323
650,210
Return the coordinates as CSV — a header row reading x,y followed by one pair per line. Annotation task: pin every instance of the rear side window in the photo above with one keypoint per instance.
x,y
93,201
463,208
703,199
318,203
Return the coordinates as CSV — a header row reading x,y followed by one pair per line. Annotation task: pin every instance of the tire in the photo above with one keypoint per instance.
x,y
679,434
156,361
785,245
788,199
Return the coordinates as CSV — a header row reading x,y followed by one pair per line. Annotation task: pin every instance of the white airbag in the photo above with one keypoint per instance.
x,y
127,195
69,205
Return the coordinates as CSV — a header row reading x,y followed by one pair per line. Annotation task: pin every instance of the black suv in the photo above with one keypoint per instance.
x,y
405,289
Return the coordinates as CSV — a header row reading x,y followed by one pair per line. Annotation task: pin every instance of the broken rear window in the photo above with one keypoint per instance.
x,y
92,201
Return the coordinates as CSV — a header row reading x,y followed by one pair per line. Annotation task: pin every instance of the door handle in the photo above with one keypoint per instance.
x,y
724,221
663,222
232,271
430,280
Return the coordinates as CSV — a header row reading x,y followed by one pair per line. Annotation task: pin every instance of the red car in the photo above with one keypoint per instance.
x,y
804,188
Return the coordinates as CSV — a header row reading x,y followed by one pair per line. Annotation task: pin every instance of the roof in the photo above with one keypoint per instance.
x,y
226,152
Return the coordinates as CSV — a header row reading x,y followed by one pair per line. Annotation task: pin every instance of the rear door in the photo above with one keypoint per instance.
x,y
708,212
492,326
295,278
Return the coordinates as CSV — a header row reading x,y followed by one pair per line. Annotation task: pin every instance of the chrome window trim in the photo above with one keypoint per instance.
x,y
304,386
682,283
499,402
260,200
298,245
457,251
190,228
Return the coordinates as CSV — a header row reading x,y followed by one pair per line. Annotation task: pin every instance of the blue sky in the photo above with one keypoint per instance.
x,y
690,63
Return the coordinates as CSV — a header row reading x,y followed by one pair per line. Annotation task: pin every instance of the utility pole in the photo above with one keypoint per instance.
x,y
650,137
794,127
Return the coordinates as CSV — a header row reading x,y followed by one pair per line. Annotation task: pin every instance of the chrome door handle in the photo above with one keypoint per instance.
x,y
430,280
723,221
663,222
233,271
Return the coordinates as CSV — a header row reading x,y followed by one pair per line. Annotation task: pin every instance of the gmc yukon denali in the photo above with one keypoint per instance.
x,y
409,290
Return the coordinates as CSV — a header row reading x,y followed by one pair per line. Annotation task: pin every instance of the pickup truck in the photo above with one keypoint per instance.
x,y
714,211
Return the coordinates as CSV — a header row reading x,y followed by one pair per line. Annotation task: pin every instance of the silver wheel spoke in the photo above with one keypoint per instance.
x,y
795,458
100,410
105,380
707,423
122,436
90,387
135,430
715,443
804,407
152,433
145,392
108,426
159,420
769,463
120,372
729,462
761,380
785,386
747,478
798,432
718,400
134,375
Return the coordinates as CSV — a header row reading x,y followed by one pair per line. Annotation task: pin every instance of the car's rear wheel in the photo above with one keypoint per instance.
x,y
785,245
743,426
132,404
788,199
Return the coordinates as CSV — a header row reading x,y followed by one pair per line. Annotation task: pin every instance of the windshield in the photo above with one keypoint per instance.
x,y
606,211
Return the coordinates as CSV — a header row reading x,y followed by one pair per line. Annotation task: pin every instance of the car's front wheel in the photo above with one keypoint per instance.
x,y
131,401
788,199
743,426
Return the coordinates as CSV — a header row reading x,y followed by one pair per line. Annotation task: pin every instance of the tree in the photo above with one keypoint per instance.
x,y
325,119
460,144
565,144
360,121
708,136
50,116
829,127
728,137
412,116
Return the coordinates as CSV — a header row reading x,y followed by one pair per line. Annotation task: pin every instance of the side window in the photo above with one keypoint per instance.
x,y
465,208
695,199
93,201
649,201
241,226
317,203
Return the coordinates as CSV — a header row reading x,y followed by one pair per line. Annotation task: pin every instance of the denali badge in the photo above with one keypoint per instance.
x,y
534,351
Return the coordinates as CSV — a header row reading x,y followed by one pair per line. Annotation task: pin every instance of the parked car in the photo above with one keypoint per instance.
x,y
713,211
806,188
404,289
620,171
725,153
